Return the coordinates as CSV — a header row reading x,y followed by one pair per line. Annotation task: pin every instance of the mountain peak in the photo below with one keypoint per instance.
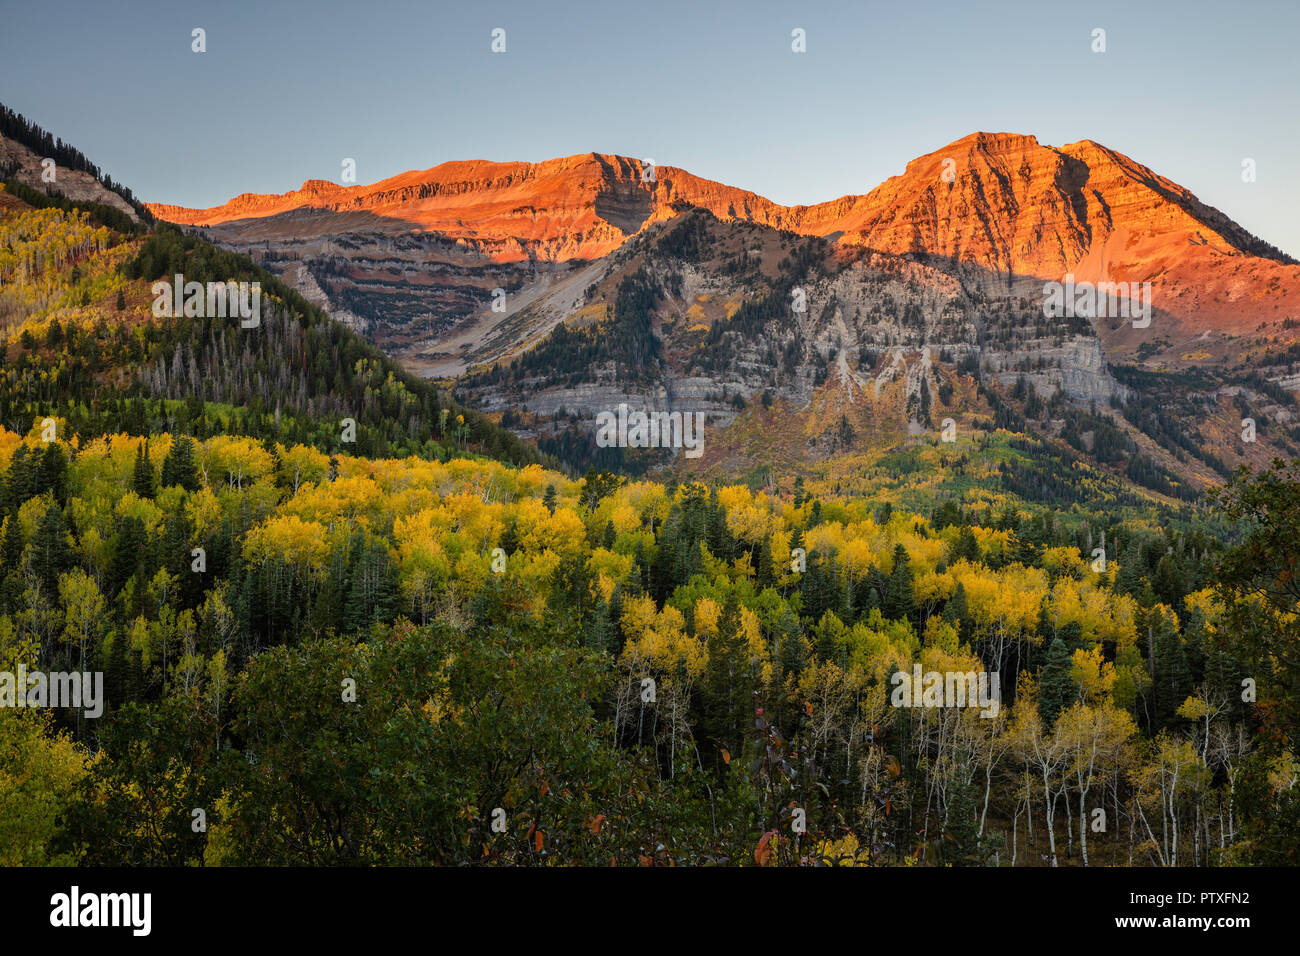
x,y
996,204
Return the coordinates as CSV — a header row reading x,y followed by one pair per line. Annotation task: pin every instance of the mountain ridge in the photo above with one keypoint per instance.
x,y
1000,205
610,275
679,185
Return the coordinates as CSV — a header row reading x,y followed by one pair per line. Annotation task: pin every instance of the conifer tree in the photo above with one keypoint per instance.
x,y
143,476
898,601
1055,687
1173,679
51,551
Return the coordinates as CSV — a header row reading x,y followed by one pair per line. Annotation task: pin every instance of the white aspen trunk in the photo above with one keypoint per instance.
x,y
1083,825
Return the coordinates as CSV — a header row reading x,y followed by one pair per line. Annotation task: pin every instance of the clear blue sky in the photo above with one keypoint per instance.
x,y
286,90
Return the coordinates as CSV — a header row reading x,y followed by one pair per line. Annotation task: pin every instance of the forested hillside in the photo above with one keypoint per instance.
x,y
81,343
361,660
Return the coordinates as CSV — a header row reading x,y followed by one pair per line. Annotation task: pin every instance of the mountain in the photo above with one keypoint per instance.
x,y
676,292
998,204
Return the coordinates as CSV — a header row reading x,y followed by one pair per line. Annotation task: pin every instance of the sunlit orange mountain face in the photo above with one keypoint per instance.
x,y
939,274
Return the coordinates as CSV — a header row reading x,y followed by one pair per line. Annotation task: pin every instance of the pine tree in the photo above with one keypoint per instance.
x,y
509,542
1055,687
956,613
727,687
1173,678
11,550
125,554
960,843
816,589
1129,579
20,480
898,600
143,476
372,589
52,474
51,551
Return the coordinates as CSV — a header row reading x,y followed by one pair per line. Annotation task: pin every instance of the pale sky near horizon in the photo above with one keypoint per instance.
x,y
286,90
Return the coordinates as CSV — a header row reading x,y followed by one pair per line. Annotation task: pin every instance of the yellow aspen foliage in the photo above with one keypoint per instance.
x,y
565,534
1094,675
856,557
1064,560
610,566
233,461
1284,772
203,510
660,639
288,536
355,500
715,569
421,531
40,769
742,567
531,480
133,506
479,523
921,551
604,585
930,586
708,613
301,465
638,616
9,442
939,633
1120,625
1206,603
873,654
472,570
826,539
781,558
648,498
626,519
751,632
535,570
